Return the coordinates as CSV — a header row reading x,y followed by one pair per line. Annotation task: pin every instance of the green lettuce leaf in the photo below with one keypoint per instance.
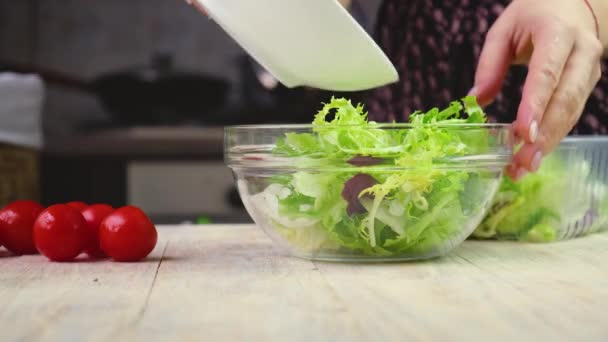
x,y
547,206
414,208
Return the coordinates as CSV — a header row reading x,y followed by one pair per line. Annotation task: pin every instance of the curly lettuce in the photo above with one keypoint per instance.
x,y
361,187
561,200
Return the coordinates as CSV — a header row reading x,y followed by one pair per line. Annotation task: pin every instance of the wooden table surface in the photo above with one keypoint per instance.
x,y
222,283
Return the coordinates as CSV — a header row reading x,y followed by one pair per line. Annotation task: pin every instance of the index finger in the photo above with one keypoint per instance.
x,y
552,47
494,61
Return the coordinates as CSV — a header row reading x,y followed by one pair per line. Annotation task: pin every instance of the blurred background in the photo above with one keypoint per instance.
x,y
125,102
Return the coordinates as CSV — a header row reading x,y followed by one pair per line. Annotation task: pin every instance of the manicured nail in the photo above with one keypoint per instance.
x,y
473,91
535,163
521,172
533,131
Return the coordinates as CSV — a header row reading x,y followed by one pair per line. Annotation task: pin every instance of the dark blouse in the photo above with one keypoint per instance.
x,y
435,44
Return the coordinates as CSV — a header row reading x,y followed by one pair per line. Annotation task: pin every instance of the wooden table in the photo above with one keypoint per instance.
x,y
222,283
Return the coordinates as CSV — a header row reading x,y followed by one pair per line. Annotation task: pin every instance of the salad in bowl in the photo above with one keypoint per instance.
x,y
345,188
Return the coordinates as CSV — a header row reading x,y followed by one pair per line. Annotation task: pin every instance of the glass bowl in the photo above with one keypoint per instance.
x,y
566,198
417,197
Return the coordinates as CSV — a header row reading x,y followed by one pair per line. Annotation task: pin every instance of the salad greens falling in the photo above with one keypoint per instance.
x,y
552,204
383,190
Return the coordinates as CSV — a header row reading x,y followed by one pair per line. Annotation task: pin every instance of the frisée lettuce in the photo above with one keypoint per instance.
x,y
561,200
360,187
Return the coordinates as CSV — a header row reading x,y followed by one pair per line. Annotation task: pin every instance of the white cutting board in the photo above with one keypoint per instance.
x,y
313,43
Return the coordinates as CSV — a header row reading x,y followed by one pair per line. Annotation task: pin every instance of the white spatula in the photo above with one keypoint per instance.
x,y
313,43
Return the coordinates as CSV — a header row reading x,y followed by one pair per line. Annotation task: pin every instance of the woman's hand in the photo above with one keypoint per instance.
x,y
558,41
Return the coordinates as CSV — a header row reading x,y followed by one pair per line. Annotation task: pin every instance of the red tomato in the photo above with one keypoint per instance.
x,y
94,214
16,226
77,205
60,233
127,234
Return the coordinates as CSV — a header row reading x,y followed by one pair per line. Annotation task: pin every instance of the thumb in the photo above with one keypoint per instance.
x,y
494,61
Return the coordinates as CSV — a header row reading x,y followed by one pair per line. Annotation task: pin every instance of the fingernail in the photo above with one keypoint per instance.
x,y
533,131
521,172
536,160
473,91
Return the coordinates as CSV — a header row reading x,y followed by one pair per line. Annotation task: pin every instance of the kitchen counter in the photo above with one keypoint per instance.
x,y
107,156
219,283
154,142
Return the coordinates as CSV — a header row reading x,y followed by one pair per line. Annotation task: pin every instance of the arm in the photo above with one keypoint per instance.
x,y
345,3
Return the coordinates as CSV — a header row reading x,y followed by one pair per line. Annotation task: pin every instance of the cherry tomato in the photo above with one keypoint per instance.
x,y
94,214
16,226
77,205
127,234
60,233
